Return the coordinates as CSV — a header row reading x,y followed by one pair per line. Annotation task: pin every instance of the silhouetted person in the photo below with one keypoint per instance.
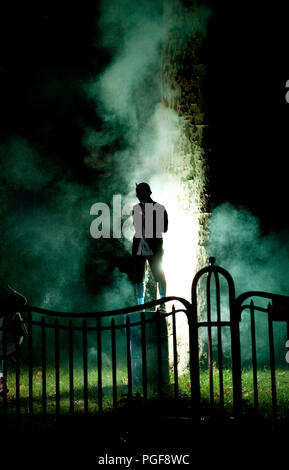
x,y
150,222
10,302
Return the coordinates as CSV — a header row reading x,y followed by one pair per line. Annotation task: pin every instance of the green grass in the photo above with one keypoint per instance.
x,y
264,389
64,390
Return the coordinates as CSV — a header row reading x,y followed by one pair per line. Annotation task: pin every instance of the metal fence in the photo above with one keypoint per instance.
x,y
89,362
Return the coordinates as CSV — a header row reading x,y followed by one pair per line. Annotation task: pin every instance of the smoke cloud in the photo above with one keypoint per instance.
x,y
139,134
47,248
257,261
45,234
127,94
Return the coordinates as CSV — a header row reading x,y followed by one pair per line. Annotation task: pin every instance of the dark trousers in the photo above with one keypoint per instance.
x,y
155,262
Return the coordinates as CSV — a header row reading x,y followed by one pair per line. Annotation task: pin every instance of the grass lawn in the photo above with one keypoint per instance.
x,y
264,390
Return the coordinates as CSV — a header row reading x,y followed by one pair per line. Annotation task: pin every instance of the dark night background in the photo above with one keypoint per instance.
x,y
46,49
47,52
248,115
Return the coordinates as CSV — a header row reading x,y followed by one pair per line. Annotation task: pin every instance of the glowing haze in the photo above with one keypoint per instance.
x,y
127,95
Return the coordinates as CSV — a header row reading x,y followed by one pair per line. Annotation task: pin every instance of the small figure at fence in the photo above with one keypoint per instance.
x,y
150,222
11,325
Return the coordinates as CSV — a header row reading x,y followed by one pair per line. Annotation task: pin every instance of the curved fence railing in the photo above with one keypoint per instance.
x,y
204,357
58,342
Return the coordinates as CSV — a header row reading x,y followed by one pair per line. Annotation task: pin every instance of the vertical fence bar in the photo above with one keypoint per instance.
x,y
85,379
287,329
159,355
210,346
4,333
254,355
17,378
43,356
220,349
57,368
193,336
113,363
175,354
192,316
30,362
71,378
128,355
236,363
99,364
144,357
272,365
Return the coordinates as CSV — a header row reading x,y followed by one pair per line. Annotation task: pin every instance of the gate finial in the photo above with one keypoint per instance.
x,y
212,260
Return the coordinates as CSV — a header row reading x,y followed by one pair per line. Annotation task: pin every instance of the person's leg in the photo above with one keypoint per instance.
x,y
135,343
139,277
140,291
159,276
155,262
162,285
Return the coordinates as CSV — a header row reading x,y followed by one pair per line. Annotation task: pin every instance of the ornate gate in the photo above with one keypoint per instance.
x,y
84,362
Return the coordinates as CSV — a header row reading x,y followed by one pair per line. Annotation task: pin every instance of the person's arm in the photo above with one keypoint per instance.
x,y
166,221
